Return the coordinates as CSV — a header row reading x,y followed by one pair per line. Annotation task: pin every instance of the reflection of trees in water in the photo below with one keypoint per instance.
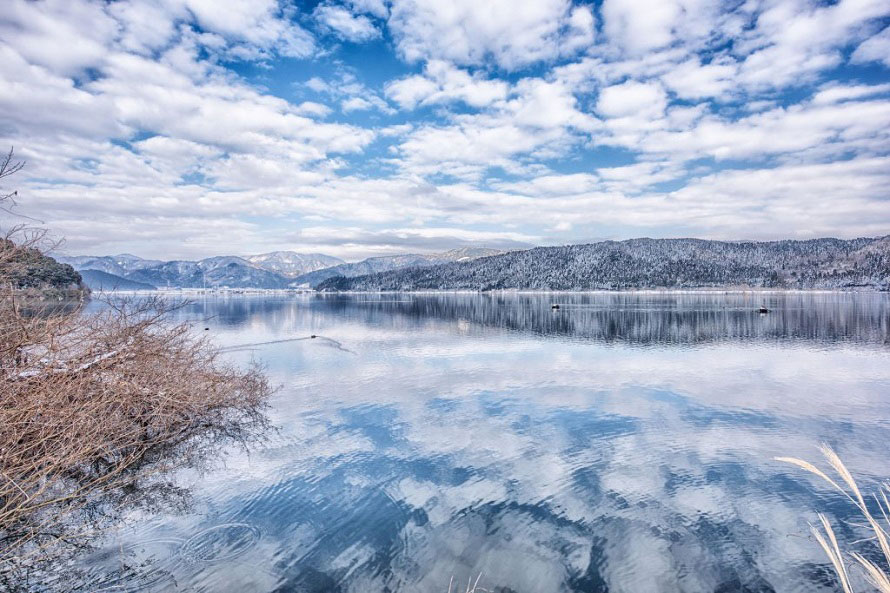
x,y
636,318
647,318
271,313
54,560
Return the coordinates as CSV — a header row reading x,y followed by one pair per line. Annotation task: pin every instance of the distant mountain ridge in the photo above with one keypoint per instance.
x,y
274,270
292,264
119,265
374,265
97,280
652,263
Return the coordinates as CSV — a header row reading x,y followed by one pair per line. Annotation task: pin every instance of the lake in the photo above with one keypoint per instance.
x,y
623,442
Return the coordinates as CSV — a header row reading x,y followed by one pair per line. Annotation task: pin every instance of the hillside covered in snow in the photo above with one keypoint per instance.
x,y
653,263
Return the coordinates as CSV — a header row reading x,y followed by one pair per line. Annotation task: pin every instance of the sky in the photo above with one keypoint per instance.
x,y
181,129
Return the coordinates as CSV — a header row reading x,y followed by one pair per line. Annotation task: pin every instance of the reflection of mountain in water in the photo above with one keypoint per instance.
x,y
635,318
652,318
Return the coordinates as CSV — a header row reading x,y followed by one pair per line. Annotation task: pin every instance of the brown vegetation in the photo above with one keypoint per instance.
x,y
94,404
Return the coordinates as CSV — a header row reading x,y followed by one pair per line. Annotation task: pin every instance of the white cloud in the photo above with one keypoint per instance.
x,y
554,185
694,80
540,118
638,28
793,41
130,110
69,37
512,34
443,83
830,130
373,7
419,239
262,23
632,98
874,49
353,95
313,108
355,104
66,38
838,93
631,179
356,28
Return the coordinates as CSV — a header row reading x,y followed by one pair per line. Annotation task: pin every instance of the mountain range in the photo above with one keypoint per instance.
x,y
374,265
277,270
652,263
607,265
103,281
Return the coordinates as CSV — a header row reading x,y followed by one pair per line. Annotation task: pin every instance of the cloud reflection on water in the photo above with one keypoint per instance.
x,y
623,443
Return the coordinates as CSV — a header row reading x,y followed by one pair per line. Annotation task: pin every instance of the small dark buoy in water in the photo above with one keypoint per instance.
x,y
763,310
554,307
313,336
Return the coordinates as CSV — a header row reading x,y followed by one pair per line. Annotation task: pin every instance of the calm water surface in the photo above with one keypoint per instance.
x,y
621,443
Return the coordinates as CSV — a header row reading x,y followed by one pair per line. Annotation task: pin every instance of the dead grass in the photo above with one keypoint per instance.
x,y
876,574
472,586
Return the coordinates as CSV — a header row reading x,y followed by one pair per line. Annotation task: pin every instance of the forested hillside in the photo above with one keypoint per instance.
x,y
653,263
28,268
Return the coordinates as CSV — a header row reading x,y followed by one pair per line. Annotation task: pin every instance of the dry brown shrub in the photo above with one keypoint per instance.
x,y
94,404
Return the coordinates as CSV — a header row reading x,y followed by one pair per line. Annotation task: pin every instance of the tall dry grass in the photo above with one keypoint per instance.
x,y
472,586
877,522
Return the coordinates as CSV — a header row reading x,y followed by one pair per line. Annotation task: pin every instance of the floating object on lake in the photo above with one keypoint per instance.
x,y
763,310
554,307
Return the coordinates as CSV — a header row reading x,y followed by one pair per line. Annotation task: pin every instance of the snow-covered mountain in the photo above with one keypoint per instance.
x,y
278,269
231,271
291,263
97,280
374,265
119,265
653,263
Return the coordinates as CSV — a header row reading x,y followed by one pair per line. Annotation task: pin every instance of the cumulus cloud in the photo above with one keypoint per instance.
x,y
540,117
373,7
441,82
355,104
349,26
693,80
352,94
665,118
512,34
631,98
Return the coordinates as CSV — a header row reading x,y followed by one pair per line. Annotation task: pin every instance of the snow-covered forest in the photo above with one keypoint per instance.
x,y
654,263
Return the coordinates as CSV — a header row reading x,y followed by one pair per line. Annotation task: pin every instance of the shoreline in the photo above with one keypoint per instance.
x,y
295,292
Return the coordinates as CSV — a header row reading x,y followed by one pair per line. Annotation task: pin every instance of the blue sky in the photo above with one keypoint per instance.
x,y
184,129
